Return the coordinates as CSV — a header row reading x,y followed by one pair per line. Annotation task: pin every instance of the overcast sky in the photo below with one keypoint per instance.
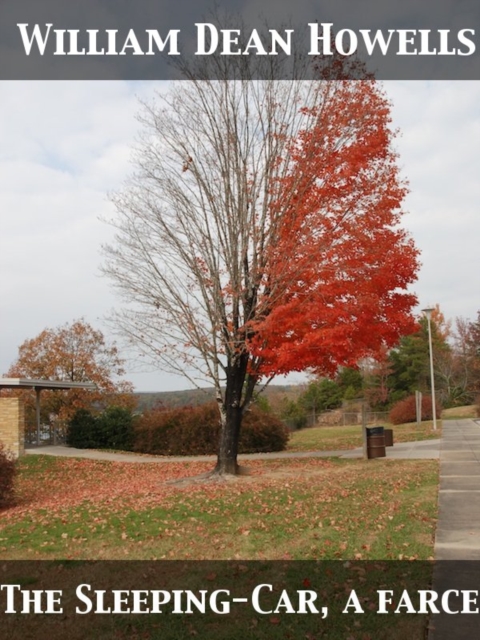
x,y
64,146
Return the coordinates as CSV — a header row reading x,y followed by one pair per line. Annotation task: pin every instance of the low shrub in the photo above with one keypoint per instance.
x,y
7,476
111,429
262,432
405,410
179,431
115,429
196,431
82,430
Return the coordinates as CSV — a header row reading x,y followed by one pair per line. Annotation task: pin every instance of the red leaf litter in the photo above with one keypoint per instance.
x,y
72,482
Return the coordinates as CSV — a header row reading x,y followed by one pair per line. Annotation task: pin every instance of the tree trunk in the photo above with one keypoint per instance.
x,y
229,435
231,412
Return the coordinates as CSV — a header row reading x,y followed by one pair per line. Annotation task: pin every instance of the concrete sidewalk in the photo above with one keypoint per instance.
x,y
427,449
458,528
420,449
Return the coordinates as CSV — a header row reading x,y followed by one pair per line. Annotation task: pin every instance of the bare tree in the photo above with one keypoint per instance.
x,y
194,229
200,223
465,361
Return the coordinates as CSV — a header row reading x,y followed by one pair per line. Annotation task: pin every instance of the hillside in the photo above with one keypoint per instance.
x,y
193,397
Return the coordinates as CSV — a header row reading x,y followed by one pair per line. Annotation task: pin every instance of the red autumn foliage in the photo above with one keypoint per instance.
x,y
340,263
405,410
73,352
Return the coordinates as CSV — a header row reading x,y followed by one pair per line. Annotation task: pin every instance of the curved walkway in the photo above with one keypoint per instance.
x,y
428,449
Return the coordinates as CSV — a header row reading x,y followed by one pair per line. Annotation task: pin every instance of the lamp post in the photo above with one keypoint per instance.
x,y
428,315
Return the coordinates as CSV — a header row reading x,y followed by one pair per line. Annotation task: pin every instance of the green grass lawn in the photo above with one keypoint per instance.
x,y
295,509
285,510
350,437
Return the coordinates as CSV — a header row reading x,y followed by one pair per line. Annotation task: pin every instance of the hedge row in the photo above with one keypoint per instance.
x,y
7,476
406,411
181,431
196,431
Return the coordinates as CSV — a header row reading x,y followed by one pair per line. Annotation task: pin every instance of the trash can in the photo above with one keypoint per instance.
x,y
388,437
376,442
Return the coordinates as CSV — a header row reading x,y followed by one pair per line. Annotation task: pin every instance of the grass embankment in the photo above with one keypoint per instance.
x,y
350,437
460,413
286,509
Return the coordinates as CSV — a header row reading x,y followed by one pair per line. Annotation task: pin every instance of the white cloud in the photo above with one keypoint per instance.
x,y
439,153
65,145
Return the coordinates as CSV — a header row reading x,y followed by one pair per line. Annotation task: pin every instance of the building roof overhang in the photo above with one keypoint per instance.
x,y
27,383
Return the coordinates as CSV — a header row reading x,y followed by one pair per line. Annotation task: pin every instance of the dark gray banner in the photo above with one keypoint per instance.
x,y
215,600
169,39
172,600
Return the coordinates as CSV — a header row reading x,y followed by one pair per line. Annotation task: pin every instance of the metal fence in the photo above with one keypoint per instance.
x,y
50,434
372,417
340,418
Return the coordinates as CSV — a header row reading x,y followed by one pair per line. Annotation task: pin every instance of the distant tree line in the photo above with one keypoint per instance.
x,y
77,352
